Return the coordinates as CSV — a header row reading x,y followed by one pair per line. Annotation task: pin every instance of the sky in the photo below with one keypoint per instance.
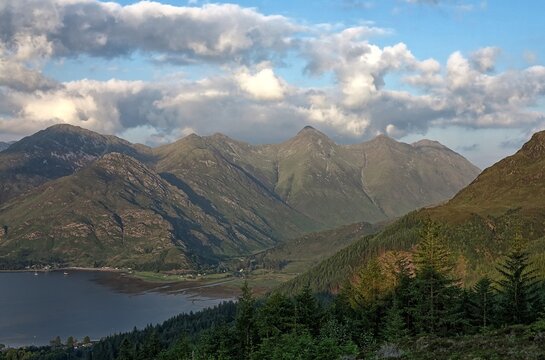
x,y
469,74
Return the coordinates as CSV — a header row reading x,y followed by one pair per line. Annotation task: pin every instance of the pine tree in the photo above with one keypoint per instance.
x,y
403,294
125,350
180,350
151,346
517,288
394,324
434,291
432,252
245,320
482,303
307,311
276,316
370,287
70,341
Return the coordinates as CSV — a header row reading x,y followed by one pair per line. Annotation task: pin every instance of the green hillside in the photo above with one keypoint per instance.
x,y
479,224
55,152
298,255
118,213
225,198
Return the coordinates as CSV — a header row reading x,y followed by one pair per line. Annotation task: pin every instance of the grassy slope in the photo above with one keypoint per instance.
x,y
248,197
116,212
302,253
240,196
480,223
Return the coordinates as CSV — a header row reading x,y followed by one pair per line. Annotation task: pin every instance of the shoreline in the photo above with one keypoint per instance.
x,y
125,280
69,268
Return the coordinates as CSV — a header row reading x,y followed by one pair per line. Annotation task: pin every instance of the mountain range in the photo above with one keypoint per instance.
x,y
504,205
72,196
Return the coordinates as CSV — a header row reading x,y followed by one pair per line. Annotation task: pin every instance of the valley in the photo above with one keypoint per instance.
x,y
72,197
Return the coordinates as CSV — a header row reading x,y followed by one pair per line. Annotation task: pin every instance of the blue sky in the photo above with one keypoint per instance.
x,y
467,73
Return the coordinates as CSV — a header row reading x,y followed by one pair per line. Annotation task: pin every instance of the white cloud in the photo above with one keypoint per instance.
x,y
246,98
262,85
213,32
484,59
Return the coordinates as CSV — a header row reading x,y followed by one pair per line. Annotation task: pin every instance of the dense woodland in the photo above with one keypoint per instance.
x,y
383,311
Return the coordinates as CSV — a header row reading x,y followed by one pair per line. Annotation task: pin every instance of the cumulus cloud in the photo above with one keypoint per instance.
x,y
212,32
262,85
484,59
359,66
246,98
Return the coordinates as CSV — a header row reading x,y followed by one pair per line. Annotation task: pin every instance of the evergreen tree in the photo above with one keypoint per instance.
x,y
181,350
435,293
276,316
56,342
125,350
432,252
403,294
307,311
370,287
246,321
517,288
394,325
151,347
70,342
482,303
218,342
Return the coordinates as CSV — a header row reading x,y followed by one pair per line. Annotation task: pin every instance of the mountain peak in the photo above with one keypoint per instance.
x,y
383,139
309,131
535,147
428,143
64,127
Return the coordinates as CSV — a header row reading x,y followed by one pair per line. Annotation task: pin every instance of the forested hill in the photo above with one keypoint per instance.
x,y
478,225
413,309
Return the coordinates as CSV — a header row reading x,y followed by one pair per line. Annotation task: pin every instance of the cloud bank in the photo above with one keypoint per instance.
x,y
247,98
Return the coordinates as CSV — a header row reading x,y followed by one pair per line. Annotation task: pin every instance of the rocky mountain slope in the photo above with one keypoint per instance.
x,y
114,212
55,152
220,197
480,224
331,184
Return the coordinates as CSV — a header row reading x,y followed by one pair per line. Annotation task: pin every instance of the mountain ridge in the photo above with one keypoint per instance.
x,y
478,225
251,196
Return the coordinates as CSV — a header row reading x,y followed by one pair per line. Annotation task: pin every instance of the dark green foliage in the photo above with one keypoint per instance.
x,y
435,300
150,349
517,288
126,350
276,316
246,321
307,311
395,326
182,349
424,308
482,303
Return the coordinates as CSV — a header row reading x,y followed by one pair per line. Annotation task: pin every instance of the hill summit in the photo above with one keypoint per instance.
x,y
65,191
479,225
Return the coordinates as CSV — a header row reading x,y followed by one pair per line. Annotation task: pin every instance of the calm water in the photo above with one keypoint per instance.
x,y
36,308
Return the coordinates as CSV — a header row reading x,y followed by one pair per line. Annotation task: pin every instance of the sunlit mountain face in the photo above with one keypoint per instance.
x,y
351,179
73,196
